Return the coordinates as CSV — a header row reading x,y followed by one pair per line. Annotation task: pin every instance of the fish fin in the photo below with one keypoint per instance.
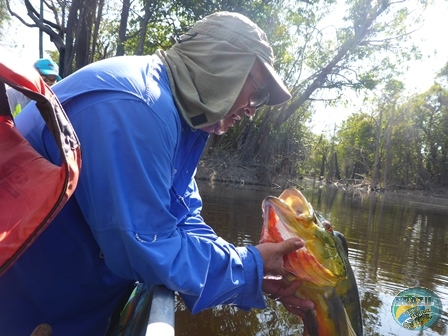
x,y
350,330
335,312
310,325
328,318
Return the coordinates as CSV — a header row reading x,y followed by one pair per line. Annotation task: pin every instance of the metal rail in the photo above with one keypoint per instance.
x,y
147,311
161,315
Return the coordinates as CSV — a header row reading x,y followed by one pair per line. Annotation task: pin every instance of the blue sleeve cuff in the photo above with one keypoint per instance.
x,y
253,274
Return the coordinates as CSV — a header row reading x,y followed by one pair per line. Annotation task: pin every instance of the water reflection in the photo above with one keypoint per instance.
x,y
395,242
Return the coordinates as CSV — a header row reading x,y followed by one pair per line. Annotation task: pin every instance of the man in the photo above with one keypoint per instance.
x,y
48,70
143,122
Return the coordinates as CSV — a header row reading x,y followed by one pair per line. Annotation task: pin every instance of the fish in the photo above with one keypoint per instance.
x,y
418,322
322,265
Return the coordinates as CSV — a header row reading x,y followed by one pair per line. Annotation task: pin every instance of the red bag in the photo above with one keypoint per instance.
x,y
32,189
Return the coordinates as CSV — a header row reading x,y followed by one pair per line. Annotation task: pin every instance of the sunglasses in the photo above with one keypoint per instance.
x,y
260,97
48,80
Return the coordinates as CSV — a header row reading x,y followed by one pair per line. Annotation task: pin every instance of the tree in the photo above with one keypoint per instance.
x,y
316,64
405,148
385,121
321,51
356,145
395,144
74,29
4,16
87,30
319,155
431,119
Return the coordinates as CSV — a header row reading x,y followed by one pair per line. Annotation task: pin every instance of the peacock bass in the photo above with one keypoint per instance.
x,y
322,265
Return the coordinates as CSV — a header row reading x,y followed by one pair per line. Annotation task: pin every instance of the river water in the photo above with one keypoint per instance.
x,y
395,242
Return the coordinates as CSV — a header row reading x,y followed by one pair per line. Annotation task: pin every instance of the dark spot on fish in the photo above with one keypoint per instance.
x,y
342,240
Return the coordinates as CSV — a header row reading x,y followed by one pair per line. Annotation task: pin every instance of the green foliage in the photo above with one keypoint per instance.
x,y
4,17
430,111
322,49
404,149
319,150
408,134
356,145
169,19
442,76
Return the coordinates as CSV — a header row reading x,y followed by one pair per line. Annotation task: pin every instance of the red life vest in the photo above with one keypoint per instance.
x,y
32,189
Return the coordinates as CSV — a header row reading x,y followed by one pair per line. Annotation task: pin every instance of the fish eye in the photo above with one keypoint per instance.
x,y
327,226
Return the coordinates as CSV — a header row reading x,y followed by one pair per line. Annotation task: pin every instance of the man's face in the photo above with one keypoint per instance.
x,y
49,79
255,84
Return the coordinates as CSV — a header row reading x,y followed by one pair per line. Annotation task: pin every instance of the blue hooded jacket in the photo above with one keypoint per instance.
x,y
135,215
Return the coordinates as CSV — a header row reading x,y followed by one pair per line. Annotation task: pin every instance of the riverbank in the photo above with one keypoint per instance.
x,y
225,167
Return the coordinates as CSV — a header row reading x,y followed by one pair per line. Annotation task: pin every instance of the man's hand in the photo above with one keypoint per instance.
x,y
272,254
42,329
273,284
284,291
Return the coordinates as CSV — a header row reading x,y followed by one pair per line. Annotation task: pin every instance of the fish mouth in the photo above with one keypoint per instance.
x,y
291,212
291,216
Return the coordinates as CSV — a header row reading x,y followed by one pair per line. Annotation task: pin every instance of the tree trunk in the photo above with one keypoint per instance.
x,y
123,27
322,165
83,34
337,172
96,30
376,164
144,28
388,147
72,23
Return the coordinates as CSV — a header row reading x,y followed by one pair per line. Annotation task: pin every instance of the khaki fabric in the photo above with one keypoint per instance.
x,y
206,77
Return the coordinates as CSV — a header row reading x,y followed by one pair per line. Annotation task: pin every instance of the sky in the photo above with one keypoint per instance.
x,y
24,42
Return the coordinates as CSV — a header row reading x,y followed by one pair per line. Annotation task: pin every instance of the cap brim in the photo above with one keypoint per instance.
x,y
278,93
50,72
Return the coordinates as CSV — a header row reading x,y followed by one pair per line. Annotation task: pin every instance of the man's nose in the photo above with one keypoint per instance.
x,y
250,111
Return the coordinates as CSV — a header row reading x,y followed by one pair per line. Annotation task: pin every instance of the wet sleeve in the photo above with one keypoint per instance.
x,y
124,194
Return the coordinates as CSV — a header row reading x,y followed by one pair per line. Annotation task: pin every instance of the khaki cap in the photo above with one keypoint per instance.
x,y
242,33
